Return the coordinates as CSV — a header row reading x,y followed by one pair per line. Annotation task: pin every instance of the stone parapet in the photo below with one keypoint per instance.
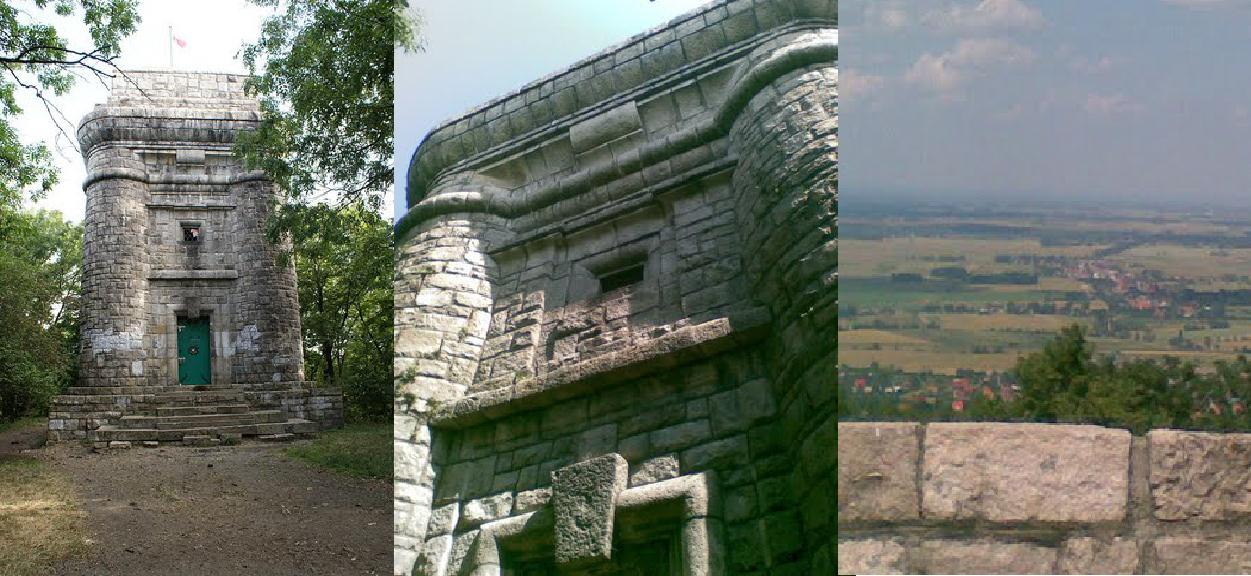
x,y
998,498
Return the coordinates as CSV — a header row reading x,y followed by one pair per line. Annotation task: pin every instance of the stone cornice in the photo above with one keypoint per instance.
x,y
680,346
717,33
767,61
121,173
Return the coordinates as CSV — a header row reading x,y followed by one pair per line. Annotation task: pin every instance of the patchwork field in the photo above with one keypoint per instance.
x,y
943,325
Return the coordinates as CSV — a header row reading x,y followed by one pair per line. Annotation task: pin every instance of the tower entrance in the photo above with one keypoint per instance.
x,y
194,368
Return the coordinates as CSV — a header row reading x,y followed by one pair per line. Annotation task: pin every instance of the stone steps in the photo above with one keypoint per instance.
x,y
201,420
294,426
174,399
200,409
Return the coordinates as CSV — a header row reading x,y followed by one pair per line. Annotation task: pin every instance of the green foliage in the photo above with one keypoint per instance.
x,y
38,59
325,82
323,70
364,450
1065,382
343,256
40,270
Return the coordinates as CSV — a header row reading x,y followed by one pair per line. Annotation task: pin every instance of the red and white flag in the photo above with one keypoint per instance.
x,y
180,42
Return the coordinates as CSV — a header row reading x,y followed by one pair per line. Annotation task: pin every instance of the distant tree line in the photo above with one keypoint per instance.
x,y
1065,382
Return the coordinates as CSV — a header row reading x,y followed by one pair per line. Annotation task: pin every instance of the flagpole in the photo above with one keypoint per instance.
x,y
171,47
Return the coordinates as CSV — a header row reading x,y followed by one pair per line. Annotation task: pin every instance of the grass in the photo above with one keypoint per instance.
x,y
361,449
41,521
21,422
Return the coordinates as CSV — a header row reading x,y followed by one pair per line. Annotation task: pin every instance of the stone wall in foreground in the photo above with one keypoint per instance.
x,y
993,498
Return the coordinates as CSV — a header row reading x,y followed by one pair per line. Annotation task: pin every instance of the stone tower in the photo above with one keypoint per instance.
x,y
185,300
615,311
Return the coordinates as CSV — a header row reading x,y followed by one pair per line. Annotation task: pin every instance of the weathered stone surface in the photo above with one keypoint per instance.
x,y
1200,475
584,498
1085,555
986,557
1025,472
655,470
877,470
636,256
482,510
532,500
875,556
174,236
1201,556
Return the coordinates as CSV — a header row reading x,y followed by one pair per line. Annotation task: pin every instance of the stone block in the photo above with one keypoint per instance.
x,y
584,498
1200,475
1186,555
985,557
655,470
1025,472
1085,555
680,436
877,470
482,510
874,556
532,500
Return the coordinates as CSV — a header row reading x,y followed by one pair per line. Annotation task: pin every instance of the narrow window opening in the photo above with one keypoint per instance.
x,y
190,232
621,278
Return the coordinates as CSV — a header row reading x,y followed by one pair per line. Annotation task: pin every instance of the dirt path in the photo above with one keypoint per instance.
x,y
238,510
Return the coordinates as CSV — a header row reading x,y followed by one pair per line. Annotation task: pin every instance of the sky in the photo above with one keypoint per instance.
x,y
476,50
1118,100
214,32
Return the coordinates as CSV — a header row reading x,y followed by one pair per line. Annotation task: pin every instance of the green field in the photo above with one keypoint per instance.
x,y
895,322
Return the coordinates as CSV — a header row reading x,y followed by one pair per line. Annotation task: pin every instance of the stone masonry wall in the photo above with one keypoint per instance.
x,y
1000,498
615,311
160,160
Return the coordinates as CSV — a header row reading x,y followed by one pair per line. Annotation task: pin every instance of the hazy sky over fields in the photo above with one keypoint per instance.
x,y
477,50
214,32
1123,100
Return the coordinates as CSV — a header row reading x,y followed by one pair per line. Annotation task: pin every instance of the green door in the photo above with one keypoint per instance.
x,y
193,352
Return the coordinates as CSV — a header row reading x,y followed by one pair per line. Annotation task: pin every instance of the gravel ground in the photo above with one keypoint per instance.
x,y
244,509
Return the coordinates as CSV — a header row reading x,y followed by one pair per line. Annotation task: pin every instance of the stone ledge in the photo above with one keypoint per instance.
x,y
193,275
1200,475
877,470
663,353
1025,472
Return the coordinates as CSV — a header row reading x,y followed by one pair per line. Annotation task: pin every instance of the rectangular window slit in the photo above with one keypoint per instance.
x,y
190,232
621,278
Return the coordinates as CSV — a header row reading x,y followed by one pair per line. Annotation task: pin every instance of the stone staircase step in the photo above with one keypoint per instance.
x,y
202,420
296,426
201,409
200,440
284,437
197,398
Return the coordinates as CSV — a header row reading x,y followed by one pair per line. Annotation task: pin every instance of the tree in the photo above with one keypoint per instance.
x,y
323,70
40,269
344,264
41,254
36,58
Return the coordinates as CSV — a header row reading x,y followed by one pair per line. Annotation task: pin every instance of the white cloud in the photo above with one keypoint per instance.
x,y
854,84
888,15
1109,104
1091,65
970,57
989,15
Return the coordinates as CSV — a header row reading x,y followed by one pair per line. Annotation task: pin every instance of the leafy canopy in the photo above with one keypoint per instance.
x,y
40,270
323,72
37,58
